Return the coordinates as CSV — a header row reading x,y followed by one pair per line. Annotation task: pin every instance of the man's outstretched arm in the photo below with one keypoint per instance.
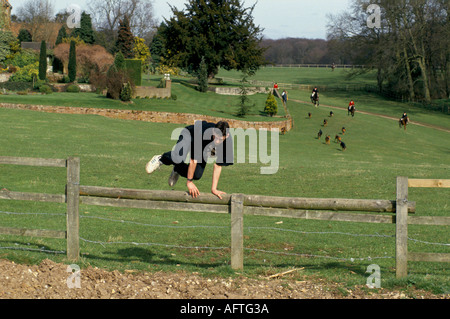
x,y
193,190
215,181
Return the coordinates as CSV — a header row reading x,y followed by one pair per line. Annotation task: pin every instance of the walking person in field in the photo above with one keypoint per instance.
x,y
202,140
284,96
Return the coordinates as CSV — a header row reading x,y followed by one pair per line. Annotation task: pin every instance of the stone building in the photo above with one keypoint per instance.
x,y
5,15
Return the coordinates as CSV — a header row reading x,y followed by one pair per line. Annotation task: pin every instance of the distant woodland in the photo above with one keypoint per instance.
x,y
300,51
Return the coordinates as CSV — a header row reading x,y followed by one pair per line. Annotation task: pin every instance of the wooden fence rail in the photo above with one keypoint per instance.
x,y
71,198
403,220
399,211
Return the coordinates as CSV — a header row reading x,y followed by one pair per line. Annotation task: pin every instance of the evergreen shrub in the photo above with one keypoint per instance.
x,y
271,107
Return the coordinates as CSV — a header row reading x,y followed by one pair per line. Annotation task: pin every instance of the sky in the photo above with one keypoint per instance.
x,y
278,18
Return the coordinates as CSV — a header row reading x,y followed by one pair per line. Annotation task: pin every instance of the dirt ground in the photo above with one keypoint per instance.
x,y
51,280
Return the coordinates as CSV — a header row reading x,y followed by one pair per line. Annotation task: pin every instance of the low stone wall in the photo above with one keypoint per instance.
x,y
141,91
150,116
151,92
236,90
62,87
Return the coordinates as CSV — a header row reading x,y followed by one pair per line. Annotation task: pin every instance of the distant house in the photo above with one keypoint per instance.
x,y
49,32
36,46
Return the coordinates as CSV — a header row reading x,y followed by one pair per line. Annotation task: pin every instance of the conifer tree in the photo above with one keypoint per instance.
x,y
85,31
43,62
271,107
62,33
24,36
202,76
244,101
125,39
221,31
72,62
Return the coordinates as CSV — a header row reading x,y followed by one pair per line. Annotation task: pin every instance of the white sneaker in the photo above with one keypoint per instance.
x,y
173,178
154,164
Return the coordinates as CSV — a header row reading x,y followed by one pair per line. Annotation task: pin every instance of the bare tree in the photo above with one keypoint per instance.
x,y
409,48
106,15
37,15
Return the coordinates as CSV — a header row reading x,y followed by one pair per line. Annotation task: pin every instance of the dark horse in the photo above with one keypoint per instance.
x,y
402,122
315,99
351,109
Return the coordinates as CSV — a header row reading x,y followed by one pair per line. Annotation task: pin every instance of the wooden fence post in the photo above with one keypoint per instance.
x,y
401,220
73,201
237,232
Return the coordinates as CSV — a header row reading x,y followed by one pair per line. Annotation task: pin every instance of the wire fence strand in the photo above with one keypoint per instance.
x,y
248,228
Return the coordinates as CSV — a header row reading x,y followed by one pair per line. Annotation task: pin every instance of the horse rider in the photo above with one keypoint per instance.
x,y
405,117
315,96
351,106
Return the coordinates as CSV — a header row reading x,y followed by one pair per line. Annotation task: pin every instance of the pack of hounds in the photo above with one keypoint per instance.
x,y
404,120
337,138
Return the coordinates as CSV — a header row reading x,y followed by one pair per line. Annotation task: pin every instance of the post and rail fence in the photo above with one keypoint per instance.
x,y
71,198
236,205
403,220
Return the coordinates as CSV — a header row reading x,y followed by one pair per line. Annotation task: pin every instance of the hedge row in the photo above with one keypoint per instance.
x,y
134,68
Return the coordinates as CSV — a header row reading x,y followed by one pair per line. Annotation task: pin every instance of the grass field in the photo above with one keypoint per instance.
x,y
307,76
114,152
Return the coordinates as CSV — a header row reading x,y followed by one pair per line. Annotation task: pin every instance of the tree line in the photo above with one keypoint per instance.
x,y
38,17
299,51
409,49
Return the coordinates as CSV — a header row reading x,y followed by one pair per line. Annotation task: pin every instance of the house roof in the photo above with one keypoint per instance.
x,y
32,45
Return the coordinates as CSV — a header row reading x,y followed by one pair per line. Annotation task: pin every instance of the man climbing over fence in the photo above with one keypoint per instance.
x,y
202,140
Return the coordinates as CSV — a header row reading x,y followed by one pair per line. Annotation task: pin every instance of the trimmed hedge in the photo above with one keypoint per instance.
x,y
134,68
16,86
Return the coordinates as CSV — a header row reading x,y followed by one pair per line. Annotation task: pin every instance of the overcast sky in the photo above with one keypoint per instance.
x,y
278,18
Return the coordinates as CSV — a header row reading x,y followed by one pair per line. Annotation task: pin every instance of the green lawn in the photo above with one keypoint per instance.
x,y
306,76
114,152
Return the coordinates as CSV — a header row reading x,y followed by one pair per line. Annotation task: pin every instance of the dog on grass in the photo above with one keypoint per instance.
x,y
327,139
337,139
319,135
343,146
